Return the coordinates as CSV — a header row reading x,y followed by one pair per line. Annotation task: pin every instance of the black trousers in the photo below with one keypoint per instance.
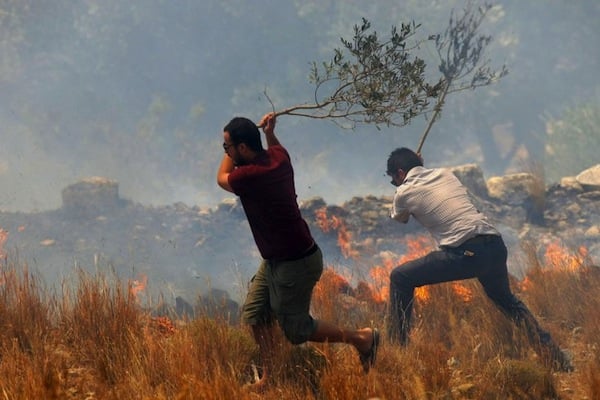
x,y
483,257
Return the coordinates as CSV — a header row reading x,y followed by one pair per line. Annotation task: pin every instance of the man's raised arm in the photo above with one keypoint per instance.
x,y
267,123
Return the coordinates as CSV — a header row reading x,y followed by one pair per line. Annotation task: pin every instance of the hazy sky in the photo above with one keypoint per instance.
x,y
139,92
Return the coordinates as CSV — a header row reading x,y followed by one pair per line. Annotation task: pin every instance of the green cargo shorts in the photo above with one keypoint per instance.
x,y
282,291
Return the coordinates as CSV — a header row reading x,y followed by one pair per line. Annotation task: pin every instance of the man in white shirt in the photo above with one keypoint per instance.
x,y
470,247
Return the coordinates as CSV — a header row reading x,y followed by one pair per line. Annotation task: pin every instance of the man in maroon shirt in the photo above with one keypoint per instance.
x,y
292,262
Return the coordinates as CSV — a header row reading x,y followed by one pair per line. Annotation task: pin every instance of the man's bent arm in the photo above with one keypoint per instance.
x,y
398,213
223,173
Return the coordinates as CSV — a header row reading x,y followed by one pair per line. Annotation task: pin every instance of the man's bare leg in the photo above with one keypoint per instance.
x,y
361,339
264,336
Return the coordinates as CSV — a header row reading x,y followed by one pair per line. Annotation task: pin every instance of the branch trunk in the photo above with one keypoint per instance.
x,y
436,112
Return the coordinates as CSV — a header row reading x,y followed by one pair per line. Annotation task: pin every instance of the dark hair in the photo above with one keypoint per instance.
x,y
242,130
404,159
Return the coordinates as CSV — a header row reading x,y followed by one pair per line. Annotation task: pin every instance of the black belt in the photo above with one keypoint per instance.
x,y
312,250
481,239
477,240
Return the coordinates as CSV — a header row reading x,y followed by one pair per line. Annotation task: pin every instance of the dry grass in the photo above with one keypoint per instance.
x,y
93,340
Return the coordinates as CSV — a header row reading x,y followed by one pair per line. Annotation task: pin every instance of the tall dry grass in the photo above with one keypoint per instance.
x,y
92,339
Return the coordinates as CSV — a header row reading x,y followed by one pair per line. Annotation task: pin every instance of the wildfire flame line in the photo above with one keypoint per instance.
x,y
377,290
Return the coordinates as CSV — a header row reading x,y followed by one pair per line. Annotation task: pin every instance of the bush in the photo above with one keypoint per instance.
x,y
572,141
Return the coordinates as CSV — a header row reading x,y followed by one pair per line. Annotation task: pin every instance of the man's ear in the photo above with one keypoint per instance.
x,y
245,150
242,147
401,174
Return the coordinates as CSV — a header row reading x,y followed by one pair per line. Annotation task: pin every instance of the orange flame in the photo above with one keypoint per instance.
x,y
417,246
321,219
163,326
463,292
334,222
525,284
422,294
3,239
558,257
137,286
331,282
380,277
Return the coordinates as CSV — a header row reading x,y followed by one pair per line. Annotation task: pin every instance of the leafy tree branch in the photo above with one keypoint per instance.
x,y
378,81
370,81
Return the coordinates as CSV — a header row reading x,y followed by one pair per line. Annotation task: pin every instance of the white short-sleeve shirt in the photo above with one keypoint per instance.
x,y
439,201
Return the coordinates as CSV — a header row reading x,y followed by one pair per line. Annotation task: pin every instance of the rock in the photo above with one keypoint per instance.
x,y
215,304
592,232
90,197
471,176
570,183
590,178
183,308
523,190
513,189
313,203
230,205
